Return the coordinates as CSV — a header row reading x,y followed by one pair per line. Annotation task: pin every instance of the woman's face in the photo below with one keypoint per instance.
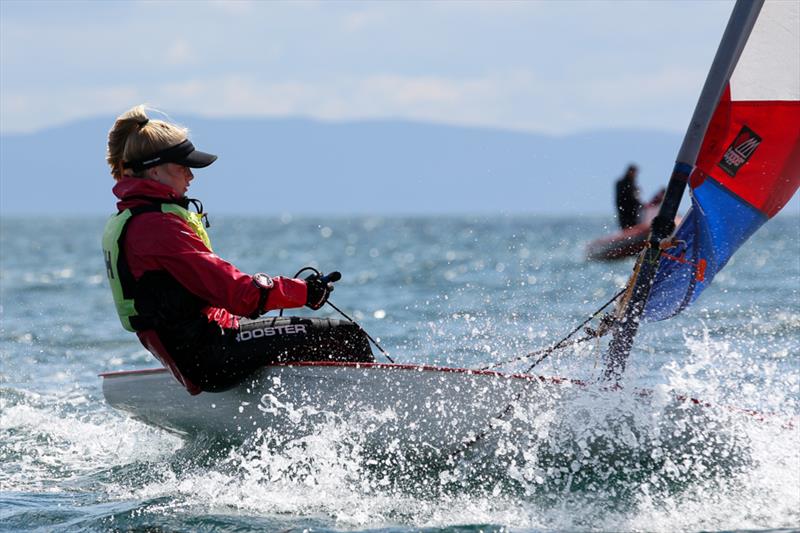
x,y
173,175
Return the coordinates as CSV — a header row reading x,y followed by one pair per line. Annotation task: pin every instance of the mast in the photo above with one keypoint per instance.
x,y
740,24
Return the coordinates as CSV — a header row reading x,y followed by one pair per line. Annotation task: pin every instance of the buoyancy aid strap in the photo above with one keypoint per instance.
x,y
127,281
126,278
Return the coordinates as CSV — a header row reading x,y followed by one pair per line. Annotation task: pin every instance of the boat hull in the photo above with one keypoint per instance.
x,y
422,407
622,244
627,242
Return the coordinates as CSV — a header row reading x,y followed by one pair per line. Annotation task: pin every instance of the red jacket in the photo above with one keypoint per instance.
x,y
162,241
156,241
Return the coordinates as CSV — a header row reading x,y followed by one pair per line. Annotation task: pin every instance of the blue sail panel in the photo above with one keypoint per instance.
x,y
717,224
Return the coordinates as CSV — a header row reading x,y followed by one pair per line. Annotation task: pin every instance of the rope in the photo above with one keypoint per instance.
x,y
545,352
378,346
385,354
591,334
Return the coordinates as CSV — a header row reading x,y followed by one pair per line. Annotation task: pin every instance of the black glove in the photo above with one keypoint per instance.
x,y
319,288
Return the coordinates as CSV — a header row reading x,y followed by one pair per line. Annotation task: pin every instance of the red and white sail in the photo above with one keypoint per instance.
x,y
748,166
751,146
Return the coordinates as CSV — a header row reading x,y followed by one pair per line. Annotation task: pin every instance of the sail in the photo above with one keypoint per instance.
x,y
748,166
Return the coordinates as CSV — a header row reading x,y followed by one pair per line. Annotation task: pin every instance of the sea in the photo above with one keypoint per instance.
x,y
458,291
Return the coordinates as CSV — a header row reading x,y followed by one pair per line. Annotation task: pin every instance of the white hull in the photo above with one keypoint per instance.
x,y
420,407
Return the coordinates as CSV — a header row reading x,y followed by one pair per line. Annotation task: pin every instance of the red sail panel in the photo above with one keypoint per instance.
x,y
752,148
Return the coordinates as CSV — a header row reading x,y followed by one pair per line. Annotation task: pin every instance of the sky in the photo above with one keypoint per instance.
x,y
540,66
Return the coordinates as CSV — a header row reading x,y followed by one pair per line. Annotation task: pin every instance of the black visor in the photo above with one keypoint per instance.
x,y
180,154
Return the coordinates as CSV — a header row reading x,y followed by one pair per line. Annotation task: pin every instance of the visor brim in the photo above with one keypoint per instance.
x,y
197,159
182,153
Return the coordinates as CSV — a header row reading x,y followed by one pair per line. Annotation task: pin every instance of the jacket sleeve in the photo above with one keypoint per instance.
x,y
161,241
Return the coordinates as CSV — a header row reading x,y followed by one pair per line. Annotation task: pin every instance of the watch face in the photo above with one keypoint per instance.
x,y
262,280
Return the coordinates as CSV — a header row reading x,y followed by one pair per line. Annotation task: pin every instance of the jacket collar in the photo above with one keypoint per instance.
x,y
135,191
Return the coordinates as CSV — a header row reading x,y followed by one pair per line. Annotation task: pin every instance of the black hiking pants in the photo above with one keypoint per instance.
x,y
227,356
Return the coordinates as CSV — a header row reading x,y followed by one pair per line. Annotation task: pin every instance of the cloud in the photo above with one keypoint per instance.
x,y
372,97
511,99
480,63
647,87
411,91
33,109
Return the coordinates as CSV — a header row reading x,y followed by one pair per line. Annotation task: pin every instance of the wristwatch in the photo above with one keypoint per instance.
x,y
262,281
264,284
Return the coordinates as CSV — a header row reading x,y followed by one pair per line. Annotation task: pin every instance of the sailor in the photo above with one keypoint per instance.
x,y
184,302
629,206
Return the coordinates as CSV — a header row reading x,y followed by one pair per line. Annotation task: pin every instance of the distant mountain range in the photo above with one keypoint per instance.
x,y
299,166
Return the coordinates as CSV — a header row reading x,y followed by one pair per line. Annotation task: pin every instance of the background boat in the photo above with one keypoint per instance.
x,y
624,243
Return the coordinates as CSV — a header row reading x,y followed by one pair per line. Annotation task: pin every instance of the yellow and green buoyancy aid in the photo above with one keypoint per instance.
x,y
119,274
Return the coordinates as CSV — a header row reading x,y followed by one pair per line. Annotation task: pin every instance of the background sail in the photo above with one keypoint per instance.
x,y
748,166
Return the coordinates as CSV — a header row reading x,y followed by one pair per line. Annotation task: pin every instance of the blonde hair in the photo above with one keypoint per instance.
x,y
134,136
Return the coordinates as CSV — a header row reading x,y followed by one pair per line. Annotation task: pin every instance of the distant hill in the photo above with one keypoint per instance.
x,y
298,166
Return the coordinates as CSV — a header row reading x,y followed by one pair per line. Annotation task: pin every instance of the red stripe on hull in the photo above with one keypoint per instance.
x,y
395,366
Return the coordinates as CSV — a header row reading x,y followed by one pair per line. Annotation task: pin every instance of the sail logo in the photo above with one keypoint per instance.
x,y
740,151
